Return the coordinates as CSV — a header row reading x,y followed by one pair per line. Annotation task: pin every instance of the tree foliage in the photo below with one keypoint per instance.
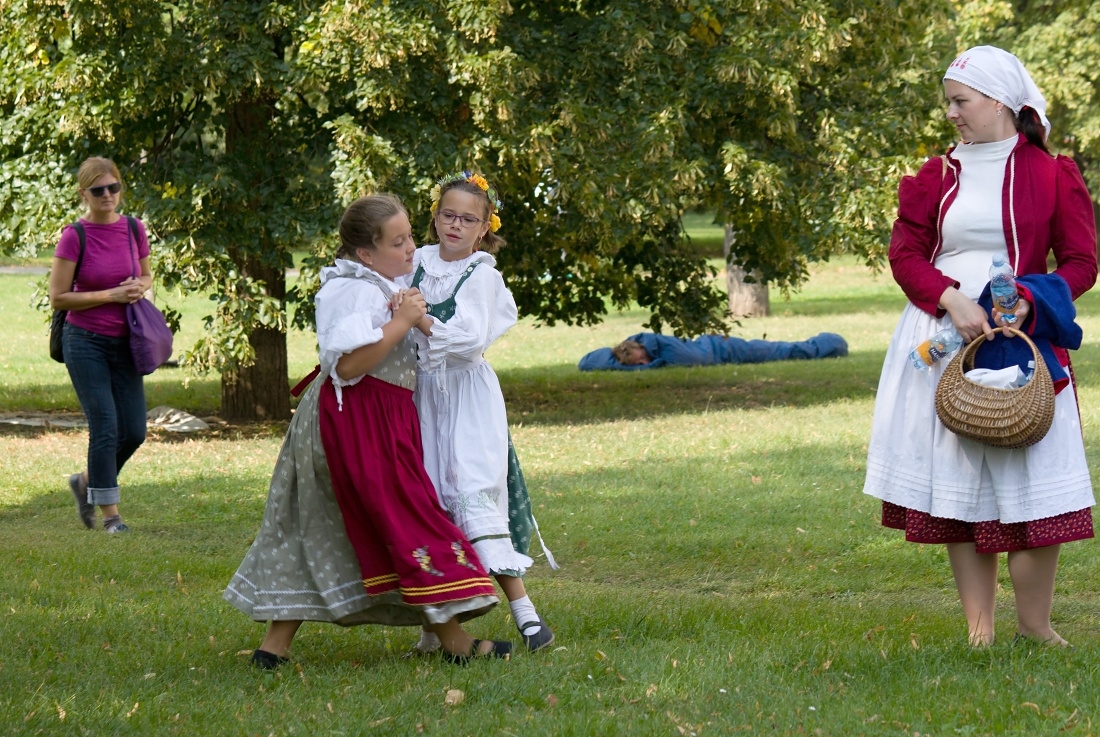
x,y
1059,43
244,126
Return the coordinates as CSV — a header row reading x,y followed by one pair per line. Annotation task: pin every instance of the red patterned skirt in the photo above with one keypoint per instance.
x,y
992,536
402,537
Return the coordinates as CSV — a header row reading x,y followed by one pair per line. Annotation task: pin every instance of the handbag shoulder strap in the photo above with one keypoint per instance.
x,y
132,236
79,228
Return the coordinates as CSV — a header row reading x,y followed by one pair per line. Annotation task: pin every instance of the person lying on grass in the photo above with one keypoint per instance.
x,y
650,350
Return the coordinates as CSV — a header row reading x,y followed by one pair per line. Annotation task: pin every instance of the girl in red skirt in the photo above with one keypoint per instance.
x,y
353,532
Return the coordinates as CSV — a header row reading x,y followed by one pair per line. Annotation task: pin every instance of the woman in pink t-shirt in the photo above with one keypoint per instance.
x,y
95,281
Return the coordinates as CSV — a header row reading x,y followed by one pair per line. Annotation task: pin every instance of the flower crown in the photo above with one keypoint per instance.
x,y
483,184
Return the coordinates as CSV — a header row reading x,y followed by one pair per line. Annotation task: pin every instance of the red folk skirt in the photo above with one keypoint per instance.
x,y
402,537
992,536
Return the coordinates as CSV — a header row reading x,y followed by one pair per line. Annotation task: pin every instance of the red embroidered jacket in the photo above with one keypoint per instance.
x,y
1045,206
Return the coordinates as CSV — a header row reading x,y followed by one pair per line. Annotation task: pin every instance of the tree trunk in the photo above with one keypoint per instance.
x,y
746,300
259,391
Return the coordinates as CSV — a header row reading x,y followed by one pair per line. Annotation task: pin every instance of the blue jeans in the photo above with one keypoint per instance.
x,y
112,395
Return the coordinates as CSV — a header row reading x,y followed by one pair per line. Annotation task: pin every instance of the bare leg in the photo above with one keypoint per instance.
x,y
976,579
1032,573
107,510
279,636
456,640
512,586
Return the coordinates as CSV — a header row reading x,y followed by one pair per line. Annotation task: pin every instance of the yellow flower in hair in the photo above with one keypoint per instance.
x,y
494,223
434,194
479,181
435,206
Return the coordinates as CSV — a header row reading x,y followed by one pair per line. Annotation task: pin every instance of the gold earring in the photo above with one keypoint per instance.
x,y
999,111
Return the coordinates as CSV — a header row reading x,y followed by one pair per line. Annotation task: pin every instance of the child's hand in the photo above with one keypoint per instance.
x,y
395,300
412,307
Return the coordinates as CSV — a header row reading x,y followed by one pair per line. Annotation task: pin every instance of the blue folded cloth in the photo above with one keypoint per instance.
x,y
1051,324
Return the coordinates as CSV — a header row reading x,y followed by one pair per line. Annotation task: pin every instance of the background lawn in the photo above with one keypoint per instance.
x,y
722,573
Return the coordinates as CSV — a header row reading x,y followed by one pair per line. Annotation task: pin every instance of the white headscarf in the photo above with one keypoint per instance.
x,y
998,74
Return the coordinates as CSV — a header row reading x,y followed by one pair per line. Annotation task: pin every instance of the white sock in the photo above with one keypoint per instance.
x,y
523,612
429,642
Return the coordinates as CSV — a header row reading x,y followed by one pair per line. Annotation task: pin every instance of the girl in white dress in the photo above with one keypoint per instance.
x,y
467,449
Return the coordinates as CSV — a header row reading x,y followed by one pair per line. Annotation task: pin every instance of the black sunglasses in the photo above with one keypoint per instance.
x,y
113,188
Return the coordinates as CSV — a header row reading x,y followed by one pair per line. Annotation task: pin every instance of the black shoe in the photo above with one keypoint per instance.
x,y
501,649
543,638
264,660
83,508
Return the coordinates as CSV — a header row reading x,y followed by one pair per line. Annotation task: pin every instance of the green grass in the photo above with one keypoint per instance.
x,y
722,573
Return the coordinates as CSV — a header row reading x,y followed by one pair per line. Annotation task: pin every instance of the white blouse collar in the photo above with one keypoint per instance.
x,y
345,267
435,266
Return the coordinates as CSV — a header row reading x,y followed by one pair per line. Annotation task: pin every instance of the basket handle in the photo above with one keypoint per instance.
x,y
967,354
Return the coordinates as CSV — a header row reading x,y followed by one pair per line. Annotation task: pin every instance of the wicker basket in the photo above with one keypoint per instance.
x,y
1003,418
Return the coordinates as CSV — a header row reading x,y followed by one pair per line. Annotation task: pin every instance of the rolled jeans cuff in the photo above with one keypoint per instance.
x,y
104,497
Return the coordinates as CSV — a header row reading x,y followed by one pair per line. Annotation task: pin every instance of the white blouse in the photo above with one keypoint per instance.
x,y
973,227
485,309
351,311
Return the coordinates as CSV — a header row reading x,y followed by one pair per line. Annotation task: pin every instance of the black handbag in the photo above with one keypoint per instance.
x,y
57,322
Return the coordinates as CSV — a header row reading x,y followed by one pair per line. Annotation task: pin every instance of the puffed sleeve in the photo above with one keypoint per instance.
x,y
915,237
350,314
1073,231
484,311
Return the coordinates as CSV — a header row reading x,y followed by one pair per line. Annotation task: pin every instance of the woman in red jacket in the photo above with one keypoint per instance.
x,y
997,193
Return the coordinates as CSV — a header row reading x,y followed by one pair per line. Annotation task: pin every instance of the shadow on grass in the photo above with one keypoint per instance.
x,y
564,395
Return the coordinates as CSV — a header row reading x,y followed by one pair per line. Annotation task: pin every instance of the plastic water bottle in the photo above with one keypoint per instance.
x,y
1026,376
939,345
1002,287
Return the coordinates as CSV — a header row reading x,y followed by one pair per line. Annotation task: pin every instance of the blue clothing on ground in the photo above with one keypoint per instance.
x,y
707,350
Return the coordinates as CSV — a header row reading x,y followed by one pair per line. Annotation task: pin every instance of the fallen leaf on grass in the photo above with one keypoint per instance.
x,y
551,700
755,479
651,690
60,713
131,712
1030,705
454,697
329,707
600,655
913,642
377,722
